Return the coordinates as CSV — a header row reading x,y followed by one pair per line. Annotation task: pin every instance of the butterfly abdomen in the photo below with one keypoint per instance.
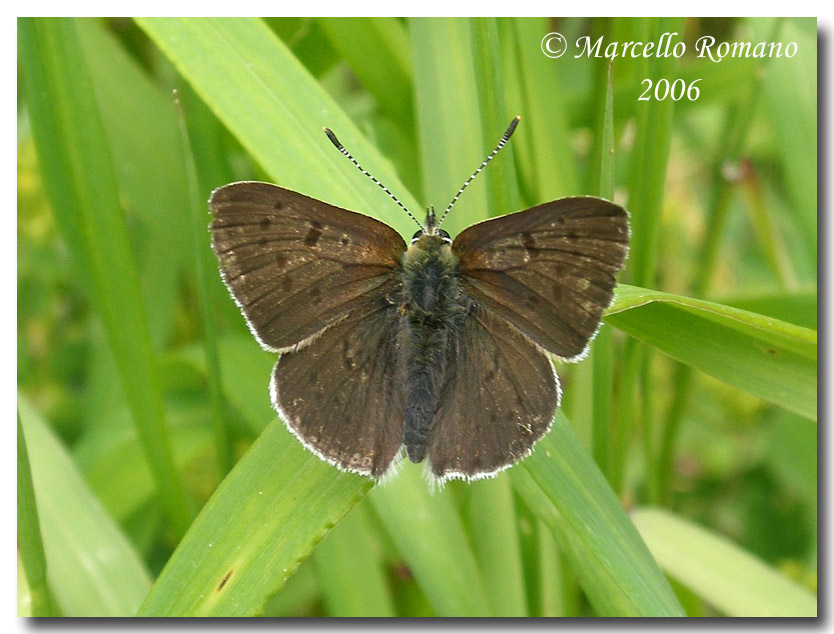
x,y
432,312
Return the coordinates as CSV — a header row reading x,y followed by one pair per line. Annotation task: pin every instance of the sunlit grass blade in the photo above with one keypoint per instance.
x,y
430,537
148,165
562,485
726,576
351,571
494,528
448,116
276,110
265,518
80,181
502,183
29,542
765,357
378,52
92,568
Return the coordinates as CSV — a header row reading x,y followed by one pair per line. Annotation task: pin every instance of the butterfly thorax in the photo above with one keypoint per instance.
x,y
432,311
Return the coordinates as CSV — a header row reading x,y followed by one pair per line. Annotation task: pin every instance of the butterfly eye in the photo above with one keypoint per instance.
x,y
416,236
445,235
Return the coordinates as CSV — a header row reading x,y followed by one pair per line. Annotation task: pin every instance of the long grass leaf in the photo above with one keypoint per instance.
x,y
81,184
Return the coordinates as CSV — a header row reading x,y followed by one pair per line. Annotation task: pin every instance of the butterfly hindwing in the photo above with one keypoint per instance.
x,y
549,270
294,264
342,393
499,398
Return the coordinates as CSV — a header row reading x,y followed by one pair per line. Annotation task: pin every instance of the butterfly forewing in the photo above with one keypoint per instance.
x,y
549,270
499,399
295,264
342,394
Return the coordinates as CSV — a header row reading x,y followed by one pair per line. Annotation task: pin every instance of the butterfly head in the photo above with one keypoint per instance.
x,y
432,230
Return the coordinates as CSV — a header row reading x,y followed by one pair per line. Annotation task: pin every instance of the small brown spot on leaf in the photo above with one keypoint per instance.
x,y
224,581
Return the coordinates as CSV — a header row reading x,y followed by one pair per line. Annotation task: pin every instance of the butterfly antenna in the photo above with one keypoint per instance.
x,y
492,154
342,149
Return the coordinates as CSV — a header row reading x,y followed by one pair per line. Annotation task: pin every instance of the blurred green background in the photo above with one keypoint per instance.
x,y
140,387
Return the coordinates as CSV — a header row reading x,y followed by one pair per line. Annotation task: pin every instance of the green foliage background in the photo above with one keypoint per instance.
x,y
153,477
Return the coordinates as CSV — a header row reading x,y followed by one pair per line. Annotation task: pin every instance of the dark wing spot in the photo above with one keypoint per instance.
x,y
345,241
557,292
313,235
280,260
278,205
265,223
315,295
531,301
530,244
286,284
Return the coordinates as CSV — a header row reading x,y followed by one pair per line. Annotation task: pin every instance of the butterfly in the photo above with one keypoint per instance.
x,y
439,349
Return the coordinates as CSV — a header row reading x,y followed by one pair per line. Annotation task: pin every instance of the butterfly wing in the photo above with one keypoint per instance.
x,y
294,264
549,270
499,398
342,394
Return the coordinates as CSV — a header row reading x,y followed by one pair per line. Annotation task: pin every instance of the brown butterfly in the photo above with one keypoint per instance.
x,y
440,347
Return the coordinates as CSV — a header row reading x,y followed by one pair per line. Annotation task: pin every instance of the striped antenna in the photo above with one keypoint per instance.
x,y
492,154
342,149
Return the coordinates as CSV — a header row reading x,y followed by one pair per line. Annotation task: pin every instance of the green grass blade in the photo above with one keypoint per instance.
x,y
204,264
92,568
494,528
771,359
544,137
790,96
448,118
503,194
430,537
351,571
562,485
602,350
276,110
265,518
726,576
80,181
378,52
29,542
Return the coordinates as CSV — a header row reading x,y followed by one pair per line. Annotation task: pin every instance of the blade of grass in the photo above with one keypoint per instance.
x,y
503,194
266,517
561,484
430,537
204,264
276,110
378,52
81,185
144,152
731,579
350,570
495,541
29,542
448,117
92,568
771,359
647,181
602,351
545,137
